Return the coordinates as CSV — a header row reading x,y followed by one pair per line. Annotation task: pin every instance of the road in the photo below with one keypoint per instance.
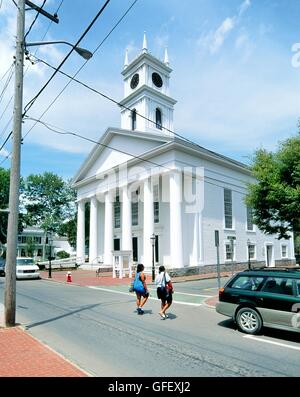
x,y
99,330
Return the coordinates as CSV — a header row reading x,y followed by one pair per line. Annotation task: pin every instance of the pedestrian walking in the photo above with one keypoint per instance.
x,y
164,290
140,288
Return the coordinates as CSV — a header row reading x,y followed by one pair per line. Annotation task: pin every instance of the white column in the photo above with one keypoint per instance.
x,y
176,249
148,222
196,242
93,251
108,230
80,246
126,219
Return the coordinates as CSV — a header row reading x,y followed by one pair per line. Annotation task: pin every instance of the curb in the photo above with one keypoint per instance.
x,y
211,306
55,352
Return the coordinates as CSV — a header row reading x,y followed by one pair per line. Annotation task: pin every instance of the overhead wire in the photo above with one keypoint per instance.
x,y
11,66
65,132
6,107
79,70
7,83
32,101
62,131
6,127
34,21
127,108
11,98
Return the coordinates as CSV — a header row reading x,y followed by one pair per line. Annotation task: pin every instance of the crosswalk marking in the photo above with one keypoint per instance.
x,y
272,342
130,294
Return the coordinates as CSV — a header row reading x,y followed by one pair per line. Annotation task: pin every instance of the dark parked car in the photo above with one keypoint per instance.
x,y
2,267
267,297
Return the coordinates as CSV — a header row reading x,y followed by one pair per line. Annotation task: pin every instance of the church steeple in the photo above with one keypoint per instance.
x,y
147,105
126,59
145,45
166,60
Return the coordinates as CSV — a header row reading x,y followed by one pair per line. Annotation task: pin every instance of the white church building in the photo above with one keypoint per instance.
x,y
157,195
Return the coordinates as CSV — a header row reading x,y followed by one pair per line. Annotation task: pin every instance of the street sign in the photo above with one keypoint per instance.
x,y
217,238
217,243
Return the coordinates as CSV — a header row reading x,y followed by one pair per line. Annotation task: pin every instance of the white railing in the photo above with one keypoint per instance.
x,y
60,263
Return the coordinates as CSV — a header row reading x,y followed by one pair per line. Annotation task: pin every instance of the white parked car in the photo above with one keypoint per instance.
x,y
26,268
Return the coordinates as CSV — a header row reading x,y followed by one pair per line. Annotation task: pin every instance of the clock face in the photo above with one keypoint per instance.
x,y
135,81
157,80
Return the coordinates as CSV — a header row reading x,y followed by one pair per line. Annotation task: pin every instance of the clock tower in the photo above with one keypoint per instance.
x,y
147,106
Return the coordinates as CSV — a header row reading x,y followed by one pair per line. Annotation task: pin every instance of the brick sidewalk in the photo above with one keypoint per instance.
x,y
88,278
24,356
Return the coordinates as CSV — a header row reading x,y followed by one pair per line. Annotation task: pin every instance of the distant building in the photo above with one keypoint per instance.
x,y
33,242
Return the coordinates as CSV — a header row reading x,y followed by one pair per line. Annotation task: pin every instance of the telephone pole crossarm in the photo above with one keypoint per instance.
x,y
33,6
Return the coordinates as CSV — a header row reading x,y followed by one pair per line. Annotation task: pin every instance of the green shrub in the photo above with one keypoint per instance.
x,y
62,255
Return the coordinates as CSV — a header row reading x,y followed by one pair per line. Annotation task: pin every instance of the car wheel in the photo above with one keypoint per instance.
x,y
248,320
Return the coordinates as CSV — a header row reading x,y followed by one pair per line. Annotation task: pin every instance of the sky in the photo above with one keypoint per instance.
x,y
236,74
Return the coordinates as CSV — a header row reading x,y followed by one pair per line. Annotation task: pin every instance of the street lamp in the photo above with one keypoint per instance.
x,y
50,242
152,238
81,51
248,245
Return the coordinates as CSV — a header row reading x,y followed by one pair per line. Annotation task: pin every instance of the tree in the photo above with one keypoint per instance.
x,y
69,228
275,198
30,246
4,196
4,202
48,201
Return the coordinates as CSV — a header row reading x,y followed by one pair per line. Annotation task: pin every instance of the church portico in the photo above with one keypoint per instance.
x,y
132,214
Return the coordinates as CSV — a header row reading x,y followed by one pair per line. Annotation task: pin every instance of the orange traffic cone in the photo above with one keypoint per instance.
x,y
69,277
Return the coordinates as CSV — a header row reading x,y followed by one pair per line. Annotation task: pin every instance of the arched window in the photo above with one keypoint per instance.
x,y
158,119
133,120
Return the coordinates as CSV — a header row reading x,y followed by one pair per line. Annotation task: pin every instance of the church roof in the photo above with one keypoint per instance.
x,y
164,144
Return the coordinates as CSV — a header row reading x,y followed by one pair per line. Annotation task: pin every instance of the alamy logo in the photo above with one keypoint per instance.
x,y
296,316
296,56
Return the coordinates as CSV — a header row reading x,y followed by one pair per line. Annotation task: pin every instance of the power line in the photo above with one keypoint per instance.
x,y
6,158
9,78
6,107
8,70
11,98
6,140
15,4
61,131
6,127
64,132
31,102
120,105
33,22
79,70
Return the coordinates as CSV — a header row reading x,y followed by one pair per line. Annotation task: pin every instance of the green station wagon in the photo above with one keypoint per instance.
x,y
267,297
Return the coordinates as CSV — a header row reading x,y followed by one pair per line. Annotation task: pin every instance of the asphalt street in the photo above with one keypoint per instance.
x,y
99,330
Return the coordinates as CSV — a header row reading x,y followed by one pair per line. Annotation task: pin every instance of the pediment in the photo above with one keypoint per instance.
x,y
116,147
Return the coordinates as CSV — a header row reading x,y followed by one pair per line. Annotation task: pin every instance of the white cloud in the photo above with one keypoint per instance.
x,y
221,34
244,7
214,40
4,153
235,107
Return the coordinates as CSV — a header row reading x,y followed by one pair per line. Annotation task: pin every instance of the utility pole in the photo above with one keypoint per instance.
x,y
14,188
13,218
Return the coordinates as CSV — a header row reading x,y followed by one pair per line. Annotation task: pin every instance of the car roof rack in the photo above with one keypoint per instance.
x,y
276,269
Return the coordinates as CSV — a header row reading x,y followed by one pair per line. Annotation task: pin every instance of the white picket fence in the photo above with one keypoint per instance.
x,y
61,263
